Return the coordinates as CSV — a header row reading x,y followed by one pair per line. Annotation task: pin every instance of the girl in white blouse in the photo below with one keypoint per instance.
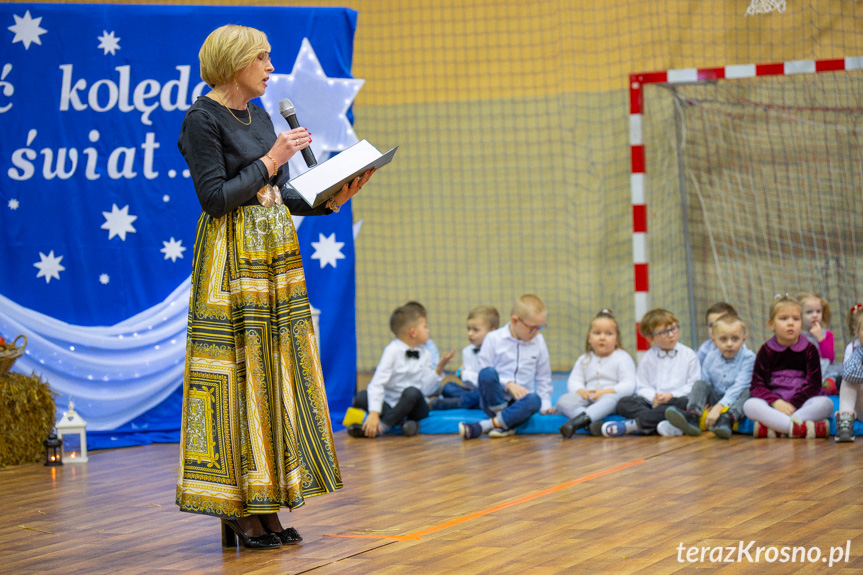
x,y
601,376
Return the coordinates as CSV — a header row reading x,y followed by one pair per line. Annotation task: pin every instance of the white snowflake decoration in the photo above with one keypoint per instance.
x,y
108,42
49,266
118,222
27,30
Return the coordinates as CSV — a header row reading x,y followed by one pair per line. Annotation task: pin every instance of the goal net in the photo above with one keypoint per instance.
x,y
754,188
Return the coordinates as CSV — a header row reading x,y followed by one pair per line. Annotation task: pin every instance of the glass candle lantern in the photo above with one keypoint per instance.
x,y
53,451
72,430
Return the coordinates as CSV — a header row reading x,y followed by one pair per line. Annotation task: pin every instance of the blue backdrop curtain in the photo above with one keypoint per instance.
x,y
98,213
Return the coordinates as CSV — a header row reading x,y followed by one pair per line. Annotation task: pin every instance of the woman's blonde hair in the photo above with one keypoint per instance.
x,y
229,49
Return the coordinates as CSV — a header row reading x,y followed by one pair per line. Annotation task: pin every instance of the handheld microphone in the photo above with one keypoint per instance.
x,y
286,109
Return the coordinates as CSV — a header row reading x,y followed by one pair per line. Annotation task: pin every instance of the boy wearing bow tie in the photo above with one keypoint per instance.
x,y
663,379
465,395
404,375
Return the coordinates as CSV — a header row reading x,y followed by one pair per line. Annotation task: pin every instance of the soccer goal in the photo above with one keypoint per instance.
x,y
747,181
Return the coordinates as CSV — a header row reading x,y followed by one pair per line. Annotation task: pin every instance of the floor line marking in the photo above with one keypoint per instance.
x,y
459,520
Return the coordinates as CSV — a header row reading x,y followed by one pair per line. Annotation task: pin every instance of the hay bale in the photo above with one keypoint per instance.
x,y
27,414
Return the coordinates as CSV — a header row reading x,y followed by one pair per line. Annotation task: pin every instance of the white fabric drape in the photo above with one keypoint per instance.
x,y
114,373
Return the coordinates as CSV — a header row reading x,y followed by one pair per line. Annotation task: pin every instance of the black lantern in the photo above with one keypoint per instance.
x,y
53,451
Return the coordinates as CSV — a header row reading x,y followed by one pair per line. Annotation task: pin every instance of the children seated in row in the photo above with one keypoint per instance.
x,y
664,378
724,385
481,321
515,372
506,372
786,379
851,392
396,394
600,377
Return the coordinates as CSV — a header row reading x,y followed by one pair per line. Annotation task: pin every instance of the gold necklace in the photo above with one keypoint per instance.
x,y
222,102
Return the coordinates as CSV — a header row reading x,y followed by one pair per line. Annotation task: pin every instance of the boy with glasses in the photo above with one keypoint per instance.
x,y
515,372
663,379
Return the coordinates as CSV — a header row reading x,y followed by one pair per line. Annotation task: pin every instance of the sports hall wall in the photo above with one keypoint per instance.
x,y
513,172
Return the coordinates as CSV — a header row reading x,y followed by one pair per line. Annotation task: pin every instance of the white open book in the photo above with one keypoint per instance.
x,y
319,183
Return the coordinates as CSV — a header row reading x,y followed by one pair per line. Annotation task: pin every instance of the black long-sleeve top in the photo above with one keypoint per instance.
x,y
224,155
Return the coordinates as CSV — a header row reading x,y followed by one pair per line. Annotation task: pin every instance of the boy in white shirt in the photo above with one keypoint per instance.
x,y
663,379
481,320
405,373
430,344
515,372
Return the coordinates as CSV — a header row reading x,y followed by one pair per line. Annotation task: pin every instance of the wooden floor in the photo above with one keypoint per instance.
x,y
534,505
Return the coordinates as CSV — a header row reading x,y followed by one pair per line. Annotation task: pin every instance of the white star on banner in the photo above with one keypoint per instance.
x,y
108,42
173,249
321,103
104,279
49,267
118,222
328,250
27,30
13,204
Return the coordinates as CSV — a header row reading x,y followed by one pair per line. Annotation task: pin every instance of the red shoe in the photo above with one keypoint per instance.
x,y
830,387
810,429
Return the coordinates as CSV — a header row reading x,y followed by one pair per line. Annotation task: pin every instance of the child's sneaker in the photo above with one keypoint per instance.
x,y
356,430
666,429
830,387
410,428
762,431
614,429
595,428
723,428
497,432
686,421
845,427
469,430
809,429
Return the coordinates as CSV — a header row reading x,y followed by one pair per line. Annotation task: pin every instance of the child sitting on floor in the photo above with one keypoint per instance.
x,y
599,378
851,392
515,372
664,378
480,321
816,318
430,344
396,393
724,384
786,380
711,315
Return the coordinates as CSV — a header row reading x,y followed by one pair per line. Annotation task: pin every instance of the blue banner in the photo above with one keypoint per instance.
x,y
97,209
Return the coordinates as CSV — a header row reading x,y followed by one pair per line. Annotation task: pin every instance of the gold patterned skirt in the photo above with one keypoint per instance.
x,y
256,433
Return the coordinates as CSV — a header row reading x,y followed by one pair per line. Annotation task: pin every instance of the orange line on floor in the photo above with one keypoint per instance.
x,y
526,498
358,536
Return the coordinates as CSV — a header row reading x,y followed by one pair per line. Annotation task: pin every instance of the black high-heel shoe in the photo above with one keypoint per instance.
x,y
231,532
289,536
